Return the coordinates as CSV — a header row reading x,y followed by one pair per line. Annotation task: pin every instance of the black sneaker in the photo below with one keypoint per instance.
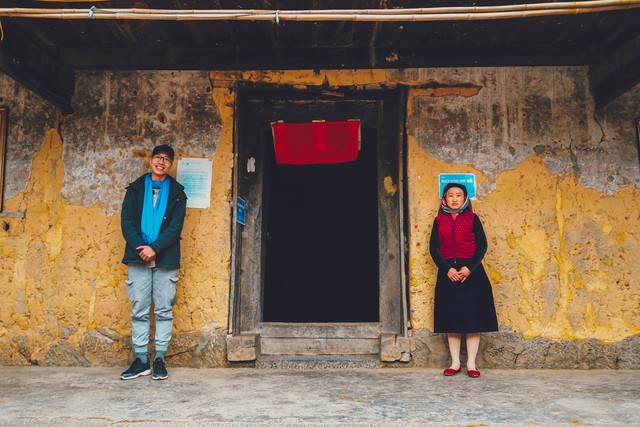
x,y
159,370
137,369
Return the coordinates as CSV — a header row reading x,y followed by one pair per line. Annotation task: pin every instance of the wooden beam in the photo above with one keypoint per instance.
x,y
33,68
325,57
616,74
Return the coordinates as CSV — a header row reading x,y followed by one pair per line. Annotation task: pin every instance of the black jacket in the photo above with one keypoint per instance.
x,y
167,245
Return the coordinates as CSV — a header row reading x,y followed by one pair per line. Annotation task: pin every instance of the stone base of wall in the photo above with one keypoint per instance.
x,y
208,349
507,350
205,349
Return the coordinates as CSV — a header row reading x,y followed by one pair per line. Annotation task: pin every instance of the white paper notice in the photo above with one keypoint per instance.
x,y
195,175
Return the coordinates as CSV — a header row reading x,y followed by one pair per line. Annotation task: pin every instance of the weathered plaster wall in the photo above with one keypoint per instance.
x,y
29,118
119,115
558,197
520,112
63,300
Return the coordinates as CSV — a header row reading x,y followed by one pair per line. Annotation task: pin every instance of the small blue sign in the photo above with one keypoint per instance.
x,y
468,179
240,211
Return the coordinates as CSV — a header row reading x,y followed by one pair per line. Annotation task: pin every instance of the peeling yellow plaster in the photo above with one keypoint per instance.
x,y
556,273
389,186
447,91
203,290
302,77
62,262
422,178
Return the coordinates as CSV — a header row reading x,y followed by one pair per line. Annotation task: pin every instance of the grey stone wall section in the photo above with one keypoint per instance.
x,y
520,112
207,349
29,118
11,354
507,350
103,347
429,350
118,115
618,121
629,353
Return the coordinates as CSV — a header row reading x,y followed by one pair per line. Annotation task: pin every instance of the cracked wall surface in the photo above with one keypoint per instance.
x,y
558,191
64,300
557,194
545,111
29,119
119,116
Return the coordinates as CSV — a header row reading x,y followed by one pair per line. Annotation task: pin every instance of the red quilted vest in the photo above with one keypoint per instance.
x,y
456,237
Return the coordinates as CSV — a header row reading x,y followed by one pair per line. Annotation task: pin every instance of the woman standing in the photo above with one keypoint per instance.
x,y
463,297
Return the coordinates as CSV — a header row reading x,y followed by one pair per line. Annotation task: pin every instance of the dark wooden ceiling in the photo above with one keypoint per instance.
x,y
43,53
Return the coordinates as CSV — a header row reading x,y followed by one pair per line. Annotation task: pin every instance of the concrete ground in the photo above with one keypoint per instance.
x,y
37,396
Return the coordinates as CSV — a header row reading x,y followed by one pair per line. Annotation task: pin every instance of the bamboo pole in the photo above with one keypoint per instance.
x,y
434,10
359,15
301,17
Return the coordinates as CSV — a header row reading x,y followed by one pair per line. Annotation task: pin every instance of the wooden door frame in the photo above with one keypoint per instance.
x,y
249,337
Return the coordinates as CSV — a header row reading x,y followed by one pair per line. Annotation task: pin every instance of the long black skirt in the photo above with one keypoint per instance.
x,y
465,307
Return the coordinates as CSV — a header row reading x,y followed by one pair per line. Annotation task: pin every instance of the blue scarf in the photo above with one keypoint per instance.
x,y
152,216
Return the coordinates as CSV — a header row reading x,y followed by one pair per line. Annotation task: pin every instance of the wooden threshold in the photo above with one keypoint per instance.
x,y
319,330
319,338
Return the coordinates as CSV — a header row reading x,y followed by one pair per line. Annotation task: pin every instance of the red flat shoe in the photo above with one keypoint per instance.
x,y
473,373
449,372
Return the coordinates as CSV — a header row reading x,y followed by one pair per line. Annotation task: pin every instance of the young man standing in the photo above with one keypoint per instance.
x,y
152,217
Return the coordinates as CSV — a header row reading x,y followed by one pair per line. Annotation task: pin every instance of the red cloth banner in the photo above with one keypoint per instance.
x,y
316,142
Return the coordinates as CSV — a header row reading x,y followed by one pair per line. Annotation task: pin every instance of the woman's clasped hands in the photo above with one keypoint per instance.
x,y
458,275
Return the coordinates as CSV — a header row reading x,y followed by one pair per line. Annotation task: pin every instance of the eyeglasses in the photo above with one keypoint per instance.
x,y
163,159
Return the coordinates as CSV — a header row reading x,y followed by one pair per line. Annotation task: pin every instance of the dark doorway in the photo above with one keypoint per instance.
x,y
318,259
322,256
